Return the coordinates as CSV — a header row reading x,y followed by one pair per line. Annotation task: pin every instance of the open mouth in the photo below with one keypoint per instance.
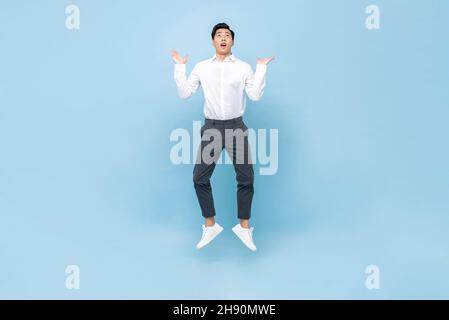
x,y
223,45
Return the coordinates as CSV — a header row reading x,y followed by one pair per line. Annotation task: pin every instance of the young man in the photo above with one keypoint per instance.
x,y
224,79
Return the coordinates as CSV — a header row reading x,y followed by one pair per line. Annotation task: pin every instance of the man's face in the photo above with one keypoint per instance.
x,y
223,41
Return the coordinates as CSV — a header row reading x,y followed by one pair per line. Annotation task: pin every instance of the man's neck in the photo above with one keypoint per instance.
x,y
221,57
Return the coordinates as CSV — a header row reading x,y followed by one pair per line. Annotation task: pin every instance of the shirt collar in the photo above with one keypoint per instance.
x,y
229,58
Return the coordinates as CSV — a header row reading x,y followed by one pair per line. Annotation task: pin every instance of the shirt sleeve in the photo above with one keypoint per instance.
x,y
186,86
255,82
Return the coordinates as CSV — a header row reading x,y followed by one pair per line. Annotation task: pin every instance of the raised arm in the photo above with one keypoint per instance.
x,y
255,82
186,86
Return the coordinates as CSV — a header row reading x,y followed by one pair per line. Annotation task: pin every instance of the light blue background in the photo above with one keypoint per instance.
x,y
86,179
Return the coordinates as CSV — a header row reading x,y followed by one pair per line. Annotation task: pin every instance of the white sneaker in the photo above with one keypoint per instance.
x,y
246,235
209,233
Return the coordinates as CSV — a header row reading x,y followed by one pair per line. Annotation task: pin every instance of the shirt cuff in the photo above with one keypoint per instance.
x,y
180,67
261,68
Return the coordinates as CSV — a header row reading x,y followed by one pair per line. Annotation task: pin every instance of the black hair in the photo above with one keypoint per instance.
x,y
221,26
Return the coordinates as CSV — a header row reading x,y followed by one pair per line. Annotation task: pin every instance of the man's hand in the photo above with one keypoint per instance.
x,y
264,60
177,58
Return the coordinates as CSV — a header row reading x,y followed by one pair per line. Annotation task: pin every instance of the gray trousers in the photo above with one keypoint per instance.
x,y
215,136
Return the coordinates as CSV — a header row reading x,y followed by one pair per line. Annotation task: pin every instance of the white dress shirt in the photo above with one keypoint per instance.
x,y
223,83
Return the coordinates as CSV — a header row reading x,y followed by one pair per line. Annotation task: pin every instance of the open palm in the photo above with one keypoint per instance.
x,y
264,60
177,58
